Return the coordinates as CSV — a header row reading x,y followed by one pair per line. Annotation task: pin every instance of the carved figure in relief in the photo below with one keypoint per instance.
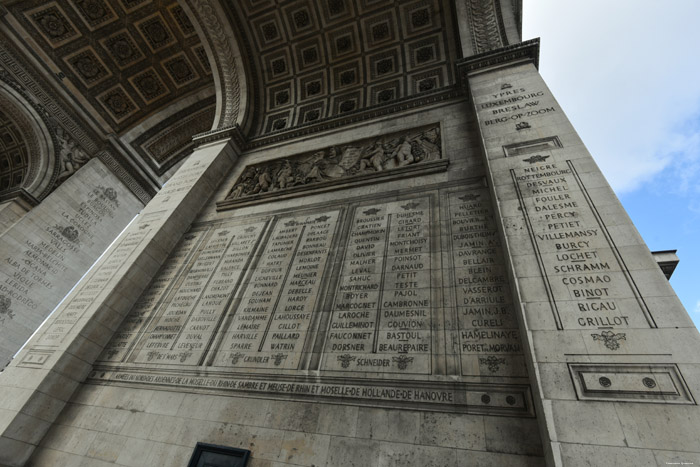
x,y
374,157
245,183
264,180
403,154
70,156
429,142
337,162
285,177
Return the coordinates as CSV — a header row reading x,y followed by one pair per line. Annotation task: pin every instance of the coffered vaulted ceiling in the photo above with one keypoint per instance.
x,y
127,59
305,61
14,150
322,58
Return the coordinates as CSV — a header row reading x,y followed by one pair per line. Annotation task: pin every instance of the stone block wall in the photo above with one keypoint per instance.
x,y
117,419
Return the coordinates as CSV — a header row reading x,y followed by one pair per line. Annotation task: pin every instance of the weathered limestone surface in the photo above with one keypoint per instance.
x,y
44,376
491,304
595,309
49,249
370,325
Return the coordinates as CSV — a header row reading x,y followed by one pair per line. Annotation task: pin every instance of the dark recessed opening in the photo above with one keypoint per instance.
x,y
211,455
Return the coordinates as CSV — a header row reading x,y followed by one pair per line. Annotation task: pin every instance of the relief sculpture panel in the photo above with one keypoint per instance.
x,y
339,166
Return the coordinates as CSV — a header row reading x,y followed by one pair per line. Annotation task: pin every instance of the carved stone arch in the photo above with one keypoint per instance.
x,y
38,140
233,90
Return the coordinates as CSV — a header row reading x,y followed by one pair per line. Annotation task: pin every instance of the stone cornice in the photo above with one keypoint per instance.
x,y
505,56
328,123
231,132
124,172
19,195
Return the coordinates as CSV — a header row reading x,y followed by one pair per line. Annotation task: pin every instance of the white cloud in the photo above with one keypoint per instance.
x,y
625,73
697,307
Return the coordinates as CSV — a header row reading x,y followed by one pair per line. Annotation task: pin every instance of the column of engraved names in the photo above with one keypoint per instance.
x,y
203,322
40,265
181,334
586,281
489,340
147,304
514,105
271,322
89,290
381,317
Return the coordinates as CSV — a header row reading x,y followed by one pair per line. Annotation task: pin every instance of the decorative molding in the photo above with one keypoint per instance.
x,y
518,14
360,115
167,146
522,52
329,123
221,134
512,400
486,25
20,195
215,31
47,102
660,383
29,146
126,177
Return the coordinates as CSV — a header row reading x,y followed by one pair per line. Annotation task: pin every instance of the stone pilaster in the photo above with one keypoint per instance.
x,y
613,354
49,249
37,384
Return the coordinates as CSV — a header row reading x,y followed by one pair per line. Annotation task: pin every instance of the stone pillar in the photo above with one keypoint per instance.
x,y
37,384
613,355
49,249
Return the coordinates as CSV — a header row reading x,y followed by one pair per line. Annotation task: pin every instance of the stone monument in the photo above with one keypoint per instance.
x,y
391,249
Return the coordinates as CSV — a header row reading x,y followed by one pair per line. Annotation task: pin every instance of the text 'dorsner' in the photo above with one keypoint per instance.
x,y
381,316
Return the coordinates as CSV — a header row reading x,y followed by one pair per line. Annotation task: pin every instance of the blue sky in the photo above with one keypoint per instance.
x,y
627,73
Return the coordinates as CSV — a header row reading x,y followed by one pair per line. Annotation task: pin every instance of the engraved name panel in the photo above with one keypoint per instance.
x,y
488,335
186,321
59,328
151,299
271,320
585,277
382,312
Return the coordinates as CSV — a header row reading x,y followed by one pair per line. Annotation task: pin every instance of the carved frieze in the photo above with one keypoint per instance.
x,y
216,32
371,157
486,25
70,156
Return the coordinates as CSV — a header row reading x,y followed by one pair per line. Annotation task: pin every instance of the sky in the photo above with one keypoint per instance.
x,y
627,74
